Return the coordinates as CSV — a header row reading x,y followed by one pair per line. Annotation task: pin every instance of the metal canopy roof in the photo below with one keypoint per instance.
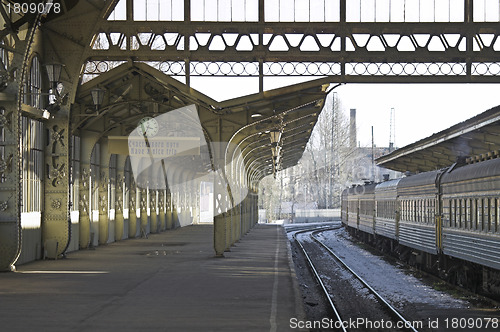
x,y
135,90
477,138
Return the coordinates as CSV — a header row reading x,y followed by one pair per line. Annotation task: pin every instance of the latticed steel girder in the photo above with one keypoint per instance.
x,y
344,51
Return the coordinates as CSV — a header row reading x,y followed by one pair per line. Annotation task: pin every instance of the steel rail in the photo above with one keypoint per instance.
x,y
407,324
316,274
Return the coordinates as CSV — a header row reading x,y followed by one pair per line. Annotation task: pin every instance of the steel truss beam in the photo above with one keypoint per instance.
x,y
360,52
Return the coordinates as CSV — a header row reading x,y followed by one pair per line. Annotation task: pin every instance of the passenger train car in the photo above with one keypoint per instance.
x,y
445,221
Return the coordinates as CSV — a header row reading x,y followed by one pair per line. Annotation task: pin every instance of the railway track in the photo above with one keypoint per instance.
x,y
351,296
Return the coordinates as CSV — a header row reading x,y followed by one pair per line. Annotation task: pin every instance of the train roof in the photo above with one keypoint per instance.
x,y
420,179
479,170
361,190
387,185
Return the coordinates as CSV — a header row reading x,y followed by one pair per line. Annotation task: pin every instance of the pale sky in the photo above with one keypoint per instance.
x,y
420,109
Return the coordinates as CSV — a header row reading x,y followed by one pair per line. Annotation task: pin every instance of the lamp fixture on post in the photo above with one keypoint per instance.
x,y
276,149
275,136
54,73
97,97
56,96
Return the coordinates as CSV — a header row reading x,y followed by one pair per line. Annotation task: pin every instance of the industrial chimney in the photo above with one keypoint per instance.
x,y
352,129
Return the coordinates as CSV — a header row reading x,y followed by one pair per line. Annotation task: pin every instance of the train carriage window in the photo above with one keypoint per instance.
x,y
486,215
420,210
480,214
463,213
471,214
428,211
415,210
431,211
450,213
474,213
410,211
468,214
497,216
494,214
424,211
447,212
460,213
455,213
483,221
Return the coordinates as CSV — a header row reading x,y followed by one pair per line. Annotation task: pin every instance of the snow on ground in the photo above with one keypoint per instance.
x,y
392,282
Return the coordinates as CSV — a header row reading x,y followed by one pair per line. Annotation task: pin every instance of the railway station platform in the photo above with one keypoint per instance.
x,y
170,281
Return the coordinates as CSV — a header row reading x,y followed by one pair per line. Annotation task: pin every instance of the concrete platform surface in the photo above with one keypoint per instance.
x,y
168,282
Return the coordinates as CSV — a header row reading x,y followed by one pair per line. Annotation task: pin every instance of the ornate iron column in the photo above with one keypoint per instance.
x,y
12,81
10,195
134,198
104,194
88,141
56,223
120,229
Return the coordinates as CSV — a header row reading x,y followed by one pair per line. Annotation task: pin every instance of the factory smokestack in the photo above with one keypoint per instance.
x,y
352,129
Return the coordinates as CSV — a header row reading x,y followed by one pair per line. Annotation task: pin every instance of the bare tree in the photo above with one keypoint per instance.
x,y
327,166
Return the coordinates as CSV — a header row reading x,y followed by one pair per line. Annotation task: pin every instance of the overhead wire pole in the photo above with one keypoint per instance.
x,y
392,129
331,153
260,46
187,61
469,36
373,157
332,157
343,36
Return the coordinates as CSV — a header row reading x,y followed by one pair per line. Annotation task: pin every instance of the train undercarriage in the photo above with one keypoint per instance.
x,y
476,278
